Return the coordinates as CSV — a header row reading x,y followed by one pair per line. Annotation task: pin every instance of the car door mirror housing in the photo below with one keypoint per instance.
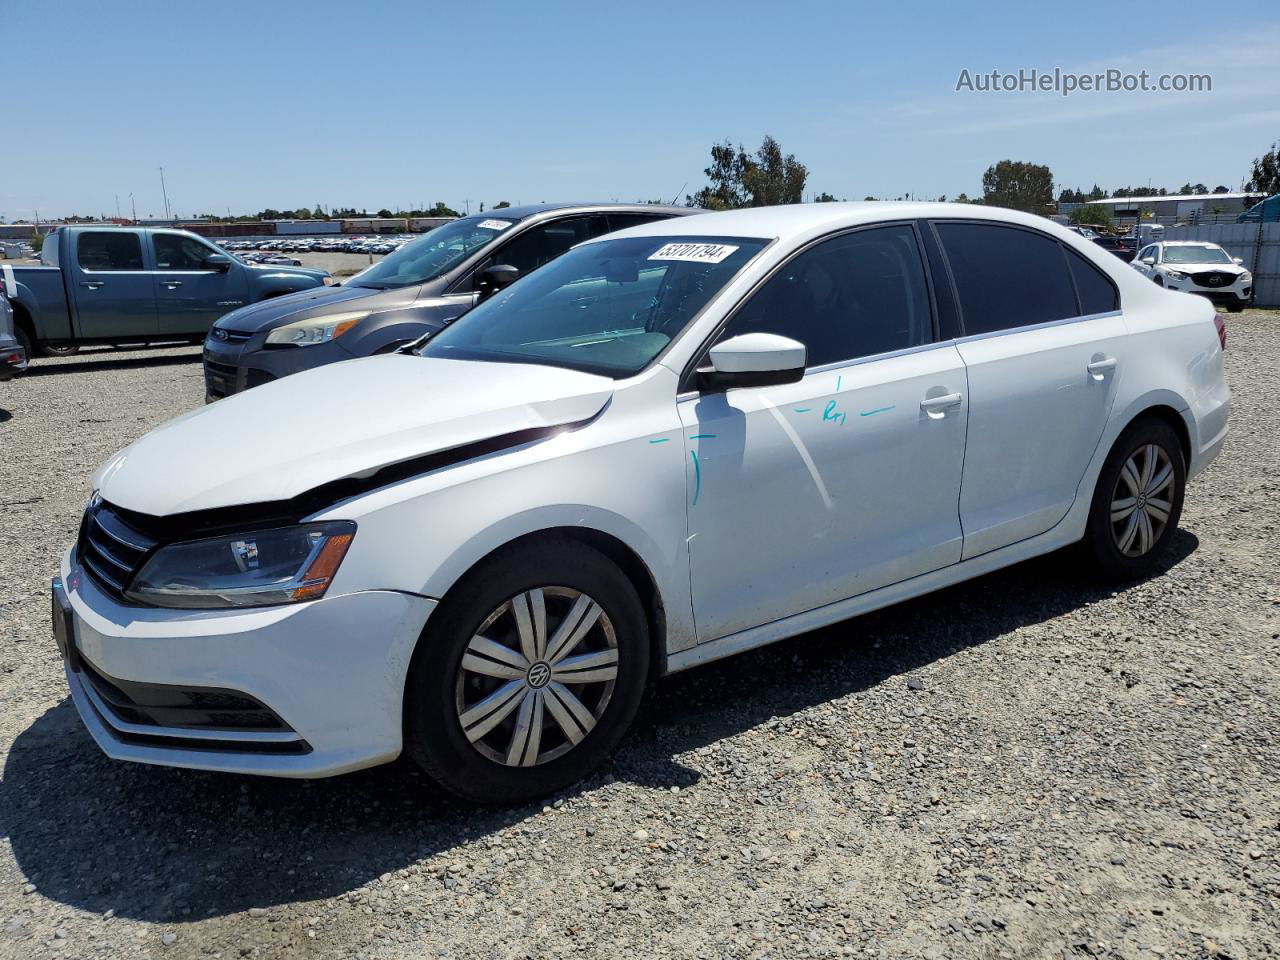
x,y
1149,261
753,360
1239,261
217,261
496,277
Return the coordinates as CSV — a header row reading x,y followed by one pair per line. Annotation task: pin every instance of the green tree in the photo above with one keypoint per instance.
x,y
739,179
385,213
37,242
501,205
1091,213
1264,177
824,197
1018,186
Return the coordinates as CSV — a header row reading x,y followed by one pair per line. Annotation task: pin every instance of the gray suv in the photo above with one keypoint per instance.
x,y
13,359
411,293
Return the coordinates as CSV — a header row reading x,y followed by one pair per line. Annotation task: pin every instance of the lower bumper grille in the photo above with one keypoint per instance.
x,y
193,718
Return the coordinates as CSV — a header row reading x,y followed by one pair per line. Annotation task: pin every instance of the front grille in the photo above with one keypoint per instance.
x,y
221,369
1213,278
233,336
220,379
256,378
110,550
189,708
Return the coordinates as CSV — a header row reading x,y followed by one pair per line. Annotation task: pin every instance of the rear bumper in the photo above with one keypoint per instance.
x,y
13,360
329,673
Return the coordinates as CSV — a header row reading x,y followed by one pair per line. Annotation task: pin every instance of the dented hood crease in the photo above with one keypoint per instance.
x,y
343,420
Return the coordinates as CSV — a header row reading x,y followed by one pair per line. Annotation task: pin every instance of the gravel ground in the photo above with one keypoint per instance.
x,y
1022,766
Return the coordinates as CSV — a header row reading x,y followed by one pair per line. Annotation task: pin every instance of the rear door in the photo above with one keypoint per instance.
x,y
1044,344
111,285
189,295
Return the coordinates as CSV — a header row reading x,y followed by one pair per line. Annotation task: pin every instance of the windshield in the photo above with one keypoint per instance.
x,y
607,308
1197,254
428,257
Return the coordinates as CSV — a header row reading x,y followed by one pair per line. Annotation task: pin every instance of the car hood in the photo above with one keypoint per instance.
x,y
314,301
337,421
1199,267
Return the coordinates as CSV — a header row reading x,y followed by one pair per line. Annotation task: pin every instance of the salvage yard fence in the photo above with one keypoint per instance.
x,y
1257,244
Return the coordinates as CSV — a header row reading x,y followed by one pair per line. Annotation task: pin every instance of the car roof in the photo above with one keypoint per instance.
x,y
534,209
806,219
1187,243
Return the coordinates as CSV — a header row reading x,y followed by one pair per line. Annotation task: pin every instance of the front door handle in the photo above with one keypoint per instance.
x,y
92,284
937,407
171,284
1098,368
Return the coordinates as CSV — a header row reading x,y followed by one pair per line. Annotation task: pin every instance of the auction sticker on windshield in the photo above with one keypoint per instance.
x,y
694,252
493,224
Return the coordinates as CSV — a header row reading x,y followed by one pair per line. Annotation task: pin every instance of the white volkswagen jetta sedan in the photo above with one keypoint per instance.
x,y
669,445
1197,267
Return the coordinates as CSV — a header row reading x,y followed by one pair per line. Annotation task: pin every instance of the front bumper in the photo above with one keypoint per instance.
x,y
332,671
1236,293
235,367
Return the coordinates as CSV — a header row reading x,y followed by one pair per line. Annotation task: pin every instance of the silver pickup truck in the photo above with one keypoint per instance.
x,y
133,285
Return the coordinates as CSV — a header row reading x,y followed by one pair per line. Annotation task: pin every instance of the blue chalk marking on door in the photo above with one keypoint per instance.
x,y
839,380
660,440
697,477
831,413
868,413
802,409
703,436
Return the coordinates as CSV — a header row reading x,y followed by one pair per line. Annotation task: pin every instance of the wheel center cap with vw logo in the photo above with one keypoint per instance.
x,y
539,674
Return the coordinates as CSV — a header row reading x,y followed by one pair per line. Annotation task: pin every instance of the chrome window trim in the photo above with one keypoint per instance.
x,y
969,338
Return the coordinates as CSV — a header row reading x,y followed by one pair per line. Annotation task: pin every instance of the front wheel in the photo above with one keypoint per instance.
x,y
528,673
60,349
1234,307
1137,502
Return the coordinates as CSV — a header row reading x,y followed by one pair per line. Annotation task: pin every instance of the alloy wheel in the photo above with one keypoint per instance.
x,y
536,676
1143,500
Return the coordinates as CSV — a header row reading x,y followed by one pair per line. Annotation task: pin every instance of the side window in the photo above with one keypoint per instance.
x,y
109,250
176,252
1097,293
620,221
1006,277
1146,252
853,296
547,241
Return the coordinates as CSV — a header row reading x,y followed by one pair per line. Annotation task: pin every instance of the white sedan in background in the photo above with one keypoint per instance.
x,y
669,445
1197,267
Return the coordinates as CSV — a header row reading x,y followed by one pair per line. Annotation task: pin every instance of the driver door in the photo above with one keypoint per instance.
x,y
804,494
189,295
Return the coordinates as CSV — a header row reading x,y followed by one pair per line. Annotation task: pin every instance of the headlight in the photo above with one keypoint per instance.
x,y
258,569
307,333
1175,275
1245,277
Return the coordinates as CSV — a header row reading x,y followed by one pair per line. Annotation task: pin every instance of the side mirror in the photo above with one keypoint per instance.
x,y
1149,261
1238,260
217,261
753,360
495,278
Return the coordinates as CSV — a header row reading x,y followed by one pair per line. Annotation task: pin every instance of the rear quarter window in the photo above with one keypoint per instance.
x,y
1097,293
109,250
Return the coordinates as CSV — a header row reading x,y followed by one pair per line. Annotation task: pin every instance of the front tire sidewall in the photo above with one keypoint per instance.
x,y
1110,562
433,735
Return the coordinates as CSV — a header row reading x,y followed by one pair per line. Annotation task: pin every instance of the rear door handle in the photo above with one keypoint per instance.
x,y
92,284
937,406
171,284
1098,368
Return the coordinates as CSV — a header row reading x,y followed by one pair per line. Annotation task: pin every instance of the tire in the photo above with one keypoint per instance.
x,y
1158,280
1129,549
24,341
481,617
1234,307
59,349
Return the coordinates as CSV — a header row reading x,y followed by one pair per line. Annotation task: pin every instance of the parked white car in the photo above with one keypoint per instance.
x,y
669,445
1197,267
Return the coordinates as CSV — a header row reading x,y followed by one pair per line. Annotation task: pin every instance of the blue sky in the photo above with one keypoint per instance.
x,y
254,104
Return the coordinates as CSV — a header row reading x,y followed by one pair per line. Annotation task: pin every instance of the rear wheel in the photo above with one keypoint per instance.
x,y
1138,500
60,349
528,673
24,341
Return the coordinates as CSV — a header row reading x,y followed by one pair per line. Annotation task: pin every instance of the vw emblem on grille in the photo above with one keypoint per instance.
x,y
219,334
539,674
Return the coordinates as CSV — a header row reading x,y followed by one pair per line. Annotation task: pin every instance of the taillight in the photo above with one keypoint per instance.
x,y
1221,325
